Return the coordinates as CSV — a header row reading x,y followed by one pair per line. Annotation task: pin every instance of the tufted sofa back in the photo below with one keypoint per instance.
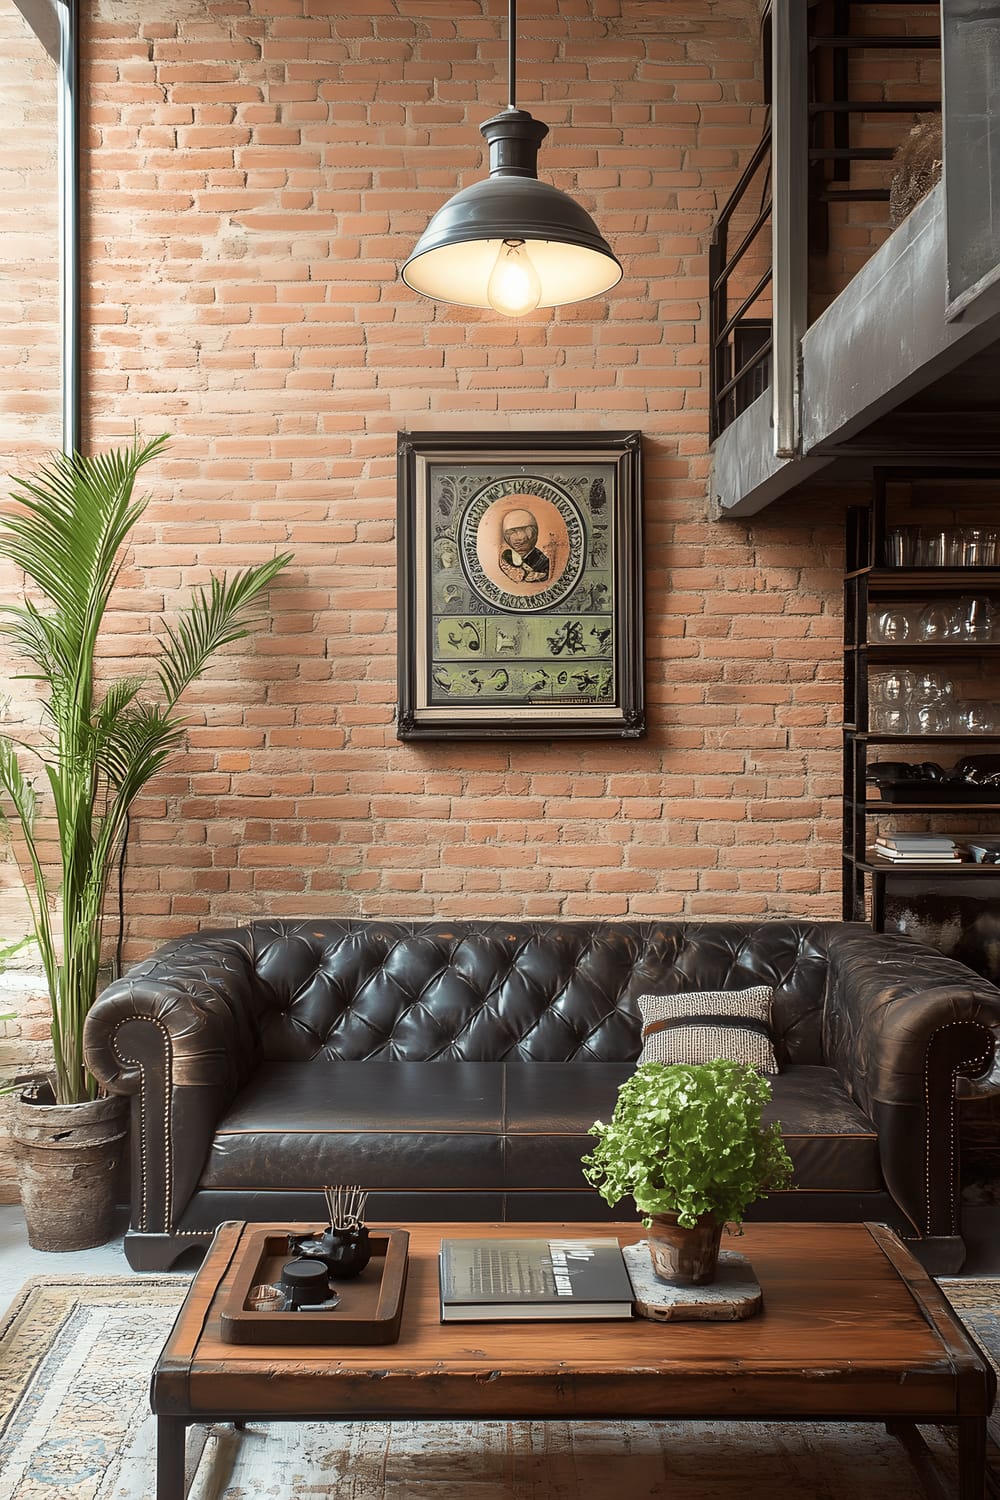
x,y
544,992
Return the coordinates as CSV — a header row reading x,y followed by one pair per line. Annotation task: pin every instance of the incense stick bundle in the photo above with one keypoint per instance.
x,y
346,1206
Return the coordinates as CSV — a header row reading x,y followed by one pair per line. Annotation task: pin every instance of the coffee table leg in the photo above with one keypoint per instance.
x,y
972,1458
171,1436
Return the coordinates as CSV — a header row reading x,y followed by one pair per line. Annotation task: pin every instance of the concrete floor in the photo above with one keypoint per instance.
x,y
18,1261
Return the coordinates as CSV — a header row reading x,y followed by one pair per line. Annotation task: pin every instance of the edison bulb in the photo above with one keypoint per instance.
x,y
513,288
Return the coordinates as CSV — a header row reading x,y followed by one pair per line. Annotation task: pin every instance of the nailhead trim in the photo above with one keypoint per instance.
x,y
952,1132
143,1098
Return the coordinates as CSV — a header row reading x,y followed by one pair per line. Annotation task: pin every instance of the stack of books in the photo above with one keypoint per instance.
x,y
501,1279
917,848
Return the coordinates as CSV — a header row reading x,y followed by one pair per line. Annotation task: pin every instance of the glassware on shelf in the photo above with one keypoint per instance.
x,y
934,718
893,626
942,548
888,719
980,547
903,546
932,687
974,619
891,699
938,622
977,718
893,689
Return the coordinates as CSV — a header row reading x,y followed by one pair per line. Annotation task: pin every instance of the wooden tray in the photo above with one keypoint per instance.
x,y
370,1308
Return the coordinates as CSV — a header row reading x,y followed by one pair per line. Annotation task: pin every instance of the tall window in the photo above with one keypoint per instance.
x,y
31,396
971,46
30,334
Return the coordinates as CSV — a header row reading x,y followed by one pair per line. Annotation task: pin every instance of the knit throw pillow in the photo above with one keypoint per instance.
x,y
703,1025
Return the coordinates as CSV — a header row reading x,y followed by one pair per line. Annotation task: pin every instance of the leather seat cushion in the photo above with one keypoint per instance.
x,y
487,1126
832,1143
385,1125
413,1126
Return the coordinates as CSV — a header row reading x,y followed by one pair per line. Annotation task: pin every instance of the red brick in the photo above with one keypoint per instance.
x,y
243,272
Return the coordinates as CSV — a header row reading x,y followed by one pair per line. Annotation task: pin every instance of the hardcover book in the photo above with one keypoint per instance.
x,y
491,1279
917,840
919,857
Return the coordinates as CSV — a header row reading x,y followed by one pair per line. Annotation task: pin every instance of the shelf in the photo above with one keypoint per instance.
x,y
893,652
896,582
897,493
873,865
870,737
871,807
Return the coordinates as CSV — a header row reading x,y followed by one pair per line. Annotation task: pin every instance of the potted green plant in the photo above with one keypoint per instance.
x,y
688,1143
103,739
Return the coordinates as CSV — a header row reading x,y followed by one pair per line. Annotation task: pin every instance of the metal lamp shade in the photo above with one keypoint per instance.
x,y
456,254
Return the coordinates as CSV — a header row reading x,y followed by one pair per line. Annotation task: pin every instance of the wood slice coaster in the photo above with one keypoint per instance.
x,y
734,1294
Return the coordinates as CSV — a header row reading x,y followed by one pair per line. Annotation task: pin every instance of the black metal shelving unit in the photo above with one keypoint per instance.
x,y
871,581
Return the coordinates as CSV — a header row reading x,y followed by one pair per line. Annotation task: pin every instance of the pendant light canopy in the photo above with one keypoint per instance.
x,y
511,242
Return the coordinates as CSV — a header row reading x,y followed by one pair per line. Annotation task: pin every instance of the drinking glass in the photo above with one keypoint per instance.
x,y
894,689
975,619
933,718
931,687
937,622
893,625
887,720
903,546
942,548
974,540
977,718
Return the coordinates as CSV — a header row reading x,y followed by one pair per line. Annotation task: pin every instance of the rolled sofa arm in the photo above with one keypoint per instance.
x,y
905,1027
179,1033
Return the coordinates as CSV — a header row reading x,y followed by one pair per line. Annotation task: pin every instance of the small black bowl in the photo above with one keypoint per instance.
x,y
304,1282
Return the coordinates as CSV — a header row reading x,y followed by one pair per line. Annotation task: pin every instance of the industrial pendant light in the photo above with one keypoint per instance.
x,y
511,242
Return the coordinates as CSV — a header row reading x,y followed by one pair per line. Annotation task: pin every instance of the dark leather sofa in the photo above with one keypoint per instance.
x,y
454,1068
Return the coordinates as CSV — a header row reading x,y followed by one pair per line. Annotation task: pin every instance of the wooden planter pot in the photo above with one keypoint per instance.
x,y
68,1159
685,1257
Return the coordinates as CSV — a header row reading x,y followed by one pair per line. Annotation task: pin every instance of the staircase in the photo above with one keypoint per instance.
x,y
858,73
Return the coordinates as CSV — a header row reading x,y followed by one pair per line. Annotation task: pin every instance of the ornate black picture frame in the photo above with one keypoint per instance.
x,y
520,585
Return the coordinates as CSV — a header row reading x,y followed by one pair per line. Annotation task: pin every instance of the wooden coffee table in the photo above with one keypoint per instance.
x,y
852,1329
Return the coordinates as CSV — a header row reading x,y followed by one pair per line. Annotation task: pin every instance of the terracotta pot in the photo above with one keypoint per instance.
x,y
68,1158
685,1257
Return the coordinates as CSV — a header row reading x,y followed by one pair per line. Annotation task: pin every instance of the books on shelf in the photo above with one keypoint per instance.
x,y
917,848
488,1279
919,859
917,840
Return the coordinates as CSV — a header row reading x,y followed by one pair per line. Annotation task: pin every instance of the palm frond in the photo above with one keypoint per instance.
x,y
131,750
17,786
25,801
36,637
212,620
68,535
75,515
117,700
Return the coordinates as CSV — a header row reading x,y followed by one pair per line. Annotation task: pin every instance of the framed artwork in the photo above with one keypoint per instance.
x,y
520,585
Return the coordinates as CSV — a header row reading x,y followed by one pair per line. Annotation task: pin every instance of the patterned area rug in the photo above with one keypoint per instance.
x,y
75,1359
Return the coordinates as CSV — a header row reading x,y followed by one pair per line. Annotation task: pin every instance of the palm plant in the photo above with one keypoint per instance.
x,y
99,748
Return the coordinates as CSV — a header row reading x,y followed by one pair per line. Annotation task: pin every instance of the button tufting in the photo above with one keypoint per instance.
x,y
535,991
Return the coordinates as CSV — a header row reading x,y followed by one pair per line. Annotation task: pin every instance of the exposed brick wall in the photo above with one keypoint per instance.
x,y
255,176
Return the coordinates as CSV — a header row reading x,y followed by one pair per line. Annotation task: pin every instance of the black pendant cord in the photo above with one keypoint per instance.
x,y
511,59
